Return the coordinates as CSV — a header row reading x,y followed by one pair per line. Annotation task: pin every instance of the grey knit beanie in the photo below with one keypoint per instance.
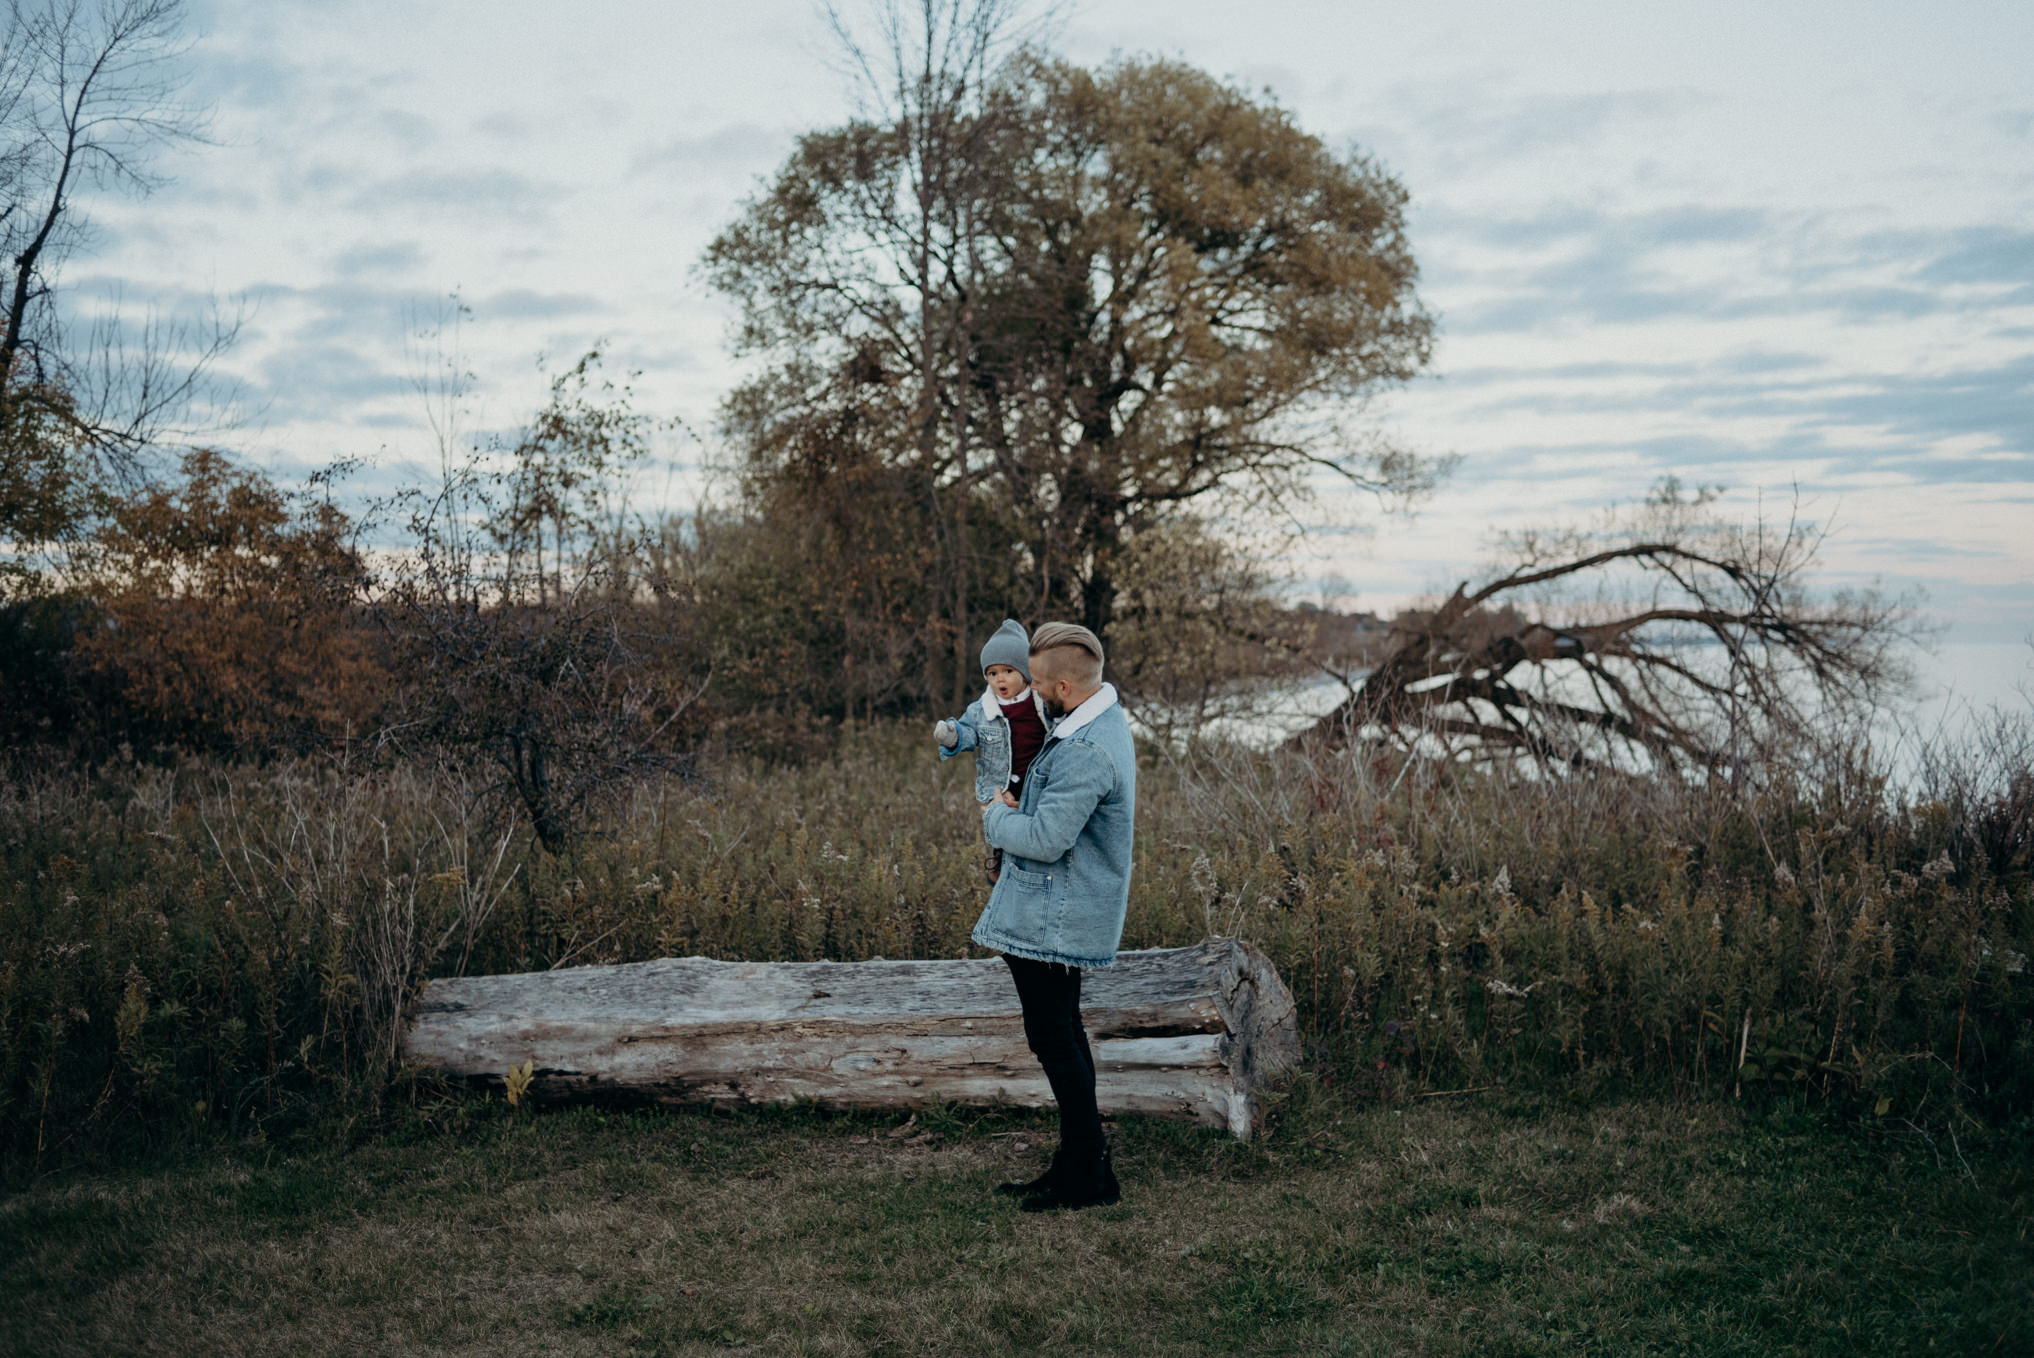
x,y
1010,646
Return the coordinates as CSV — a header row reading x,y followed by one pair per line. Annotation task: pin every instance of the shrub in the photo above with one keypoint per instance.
x,y
212,612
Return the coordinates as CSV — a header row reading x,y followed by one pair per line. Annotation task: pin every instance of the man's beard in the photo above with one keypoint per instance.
x,y
1054,708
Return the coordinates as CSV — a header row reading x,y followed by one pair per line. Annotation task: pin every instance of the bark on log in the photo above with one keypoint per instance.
x,y
1178,1032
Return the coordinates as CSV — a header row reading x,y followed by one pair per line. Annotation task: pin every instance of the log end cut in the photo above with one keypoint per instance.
x,y
1263,1025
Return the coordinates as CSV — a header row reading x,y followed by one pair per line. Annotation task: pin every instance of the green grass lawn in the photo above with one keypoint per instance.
x,y
1630,1228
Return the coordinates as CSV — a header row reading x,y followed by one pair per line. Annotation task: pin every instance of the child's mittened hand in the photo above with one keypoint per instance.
x,y
946,733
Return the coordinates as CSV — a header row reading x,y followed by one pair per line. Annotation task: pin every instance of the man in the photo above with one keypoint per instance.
x,y
1058,906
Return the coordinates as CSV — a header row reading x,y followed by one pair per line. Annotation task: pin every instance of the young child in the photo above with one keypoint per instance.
x,y
1005,727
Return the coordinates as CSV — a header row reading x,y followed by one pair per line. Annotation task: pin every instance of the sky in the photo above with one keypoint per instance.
x,y
1785,249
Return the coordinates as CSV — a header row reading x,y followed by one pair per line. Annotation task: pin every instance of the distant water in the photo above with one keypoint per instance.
x,y
1966,674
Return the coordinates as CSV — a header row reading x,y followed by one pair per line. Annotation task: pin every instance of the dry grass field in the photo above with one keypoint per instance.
x,y
1443,1226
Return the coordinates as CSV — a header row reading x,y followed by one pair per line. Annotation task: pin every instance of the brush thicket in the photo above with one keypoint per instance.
x,y
237,946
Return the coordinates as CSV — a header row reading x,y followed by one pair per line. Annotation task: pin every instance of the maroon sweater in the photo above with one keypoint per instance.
x,y
1027,734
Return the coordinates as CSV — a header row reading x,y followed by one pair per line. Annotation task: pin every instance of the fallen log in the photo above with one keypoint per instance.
x,y
1178,1032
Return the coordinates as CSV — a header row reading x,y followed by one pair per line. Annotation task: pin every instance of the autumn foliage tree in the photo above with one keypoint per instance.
x,y
211,611
1148,293
1193,295
89,91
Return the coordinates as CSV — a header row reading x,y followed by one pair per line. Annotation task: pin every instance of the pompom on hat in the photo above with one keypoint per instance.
x,y
1009,646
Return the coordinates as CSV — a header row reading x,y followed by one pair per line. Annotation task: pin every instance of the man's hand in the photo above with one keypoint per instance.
x,y
946,733
1007,798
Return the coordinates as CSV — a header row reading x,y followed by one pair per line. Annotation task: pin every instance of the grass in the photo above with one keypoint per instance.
x,y
1442,1226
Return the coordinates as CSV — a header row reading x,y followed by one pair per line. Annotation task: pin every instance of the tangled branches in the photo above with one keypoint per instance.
x,y
1666,641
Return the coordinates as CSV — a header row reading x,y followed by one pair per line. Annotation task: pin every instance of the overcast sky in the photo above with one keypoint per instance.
x,y
1766,246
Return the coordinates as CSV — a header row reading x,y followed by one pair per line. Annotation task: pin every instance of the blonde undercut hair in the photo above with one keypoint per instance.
x,y
1077,652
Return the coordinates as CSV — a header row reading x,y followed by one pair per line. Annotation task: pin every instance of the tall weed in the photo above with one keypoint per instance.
x,y
238,947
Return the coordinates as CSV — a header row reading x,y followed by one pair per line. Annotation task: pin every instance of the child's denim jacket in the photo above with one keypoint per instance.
x,y
985,730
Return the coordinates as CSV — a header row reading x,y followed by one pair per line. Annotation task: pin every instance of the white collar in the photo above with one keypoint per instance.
x,y
1096,703
991,700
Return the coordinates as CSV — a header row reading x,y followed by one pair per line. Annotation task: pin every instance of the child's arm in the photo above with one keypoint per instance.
x,y
964,731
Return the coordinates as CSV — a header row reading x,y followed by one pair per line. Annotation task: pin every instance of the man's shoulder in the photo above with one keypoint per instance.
x,y
1110,725
1106,739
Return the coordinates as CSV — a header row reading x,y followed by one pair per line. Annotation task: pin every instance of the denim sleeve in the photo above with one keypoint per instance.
x,y
1081,776
965,724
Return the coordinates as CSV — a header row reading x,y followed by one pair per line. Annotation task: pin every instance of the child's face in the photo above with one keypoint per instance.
x,y
1007,682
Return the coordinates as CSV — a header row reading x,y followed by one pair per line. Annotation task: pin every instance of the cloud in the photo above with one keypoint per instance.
x,y
503,126
495,192
1758,362
1738,364
411,130
1969,423
1595,369
315,379
1918,550
1460,135
742,149
391,257
2017,122
334,311
1996,401
1571,265
525,304
1992,254
1605,266
653,353
245,82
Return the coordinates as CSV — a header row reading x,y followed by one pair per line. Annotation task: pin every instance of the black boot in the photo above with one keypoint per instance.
x,y
1015,1189
1086,1181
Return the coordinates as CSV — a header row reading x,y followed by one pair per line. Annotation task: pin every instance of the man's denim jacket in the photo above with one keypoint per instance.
x,y
985,730
1065,886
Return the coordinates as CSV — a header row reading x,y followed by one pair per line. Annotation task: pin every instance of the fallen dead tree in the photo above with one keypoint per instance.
x,y
1178,1032
1667,642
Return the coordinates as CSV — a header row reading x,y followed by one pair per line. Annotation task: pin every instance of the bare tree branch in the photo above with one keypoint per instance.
x,y
89,89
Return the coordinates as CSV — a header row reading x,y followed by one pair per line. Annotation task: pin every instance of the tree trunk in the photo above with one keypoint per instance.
x,y
1180,1032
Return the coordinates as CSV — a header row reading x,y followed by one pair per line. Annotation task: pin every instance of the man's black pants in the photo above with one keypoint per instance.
x,y
1051,996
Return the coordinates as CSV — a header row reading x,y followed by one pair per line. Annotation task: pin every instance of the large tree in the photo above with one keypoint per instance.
x,y
1151,290
1193,296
